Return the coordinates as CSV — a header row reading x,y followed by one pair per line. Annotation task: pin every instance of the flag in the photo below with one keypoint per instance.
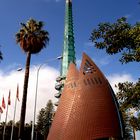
x,y
9,101
17,92
3,102
1,111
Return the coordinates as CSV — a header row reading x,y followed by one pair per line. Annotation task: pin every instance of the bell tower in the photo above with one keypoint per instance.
x,y
68,48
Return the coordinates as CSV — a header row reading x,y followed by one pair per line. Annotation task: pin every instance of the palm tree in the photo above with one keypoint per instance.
x,y
32,39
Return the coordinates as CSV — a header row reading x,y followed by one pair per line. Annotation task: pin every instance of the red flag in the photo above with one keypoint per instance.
x,y
3,102
17,92
1,111
9,101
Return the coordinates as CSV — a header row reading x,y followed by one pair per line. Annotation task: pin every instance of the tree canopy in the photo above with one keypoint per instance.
x,y
27,131
129,99
32,37
129,95
118,37
44,119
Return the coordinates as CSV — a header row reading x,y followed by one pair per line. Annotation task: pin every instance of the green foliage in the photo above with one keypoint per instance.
x,y
44,118
32,37
118,37
129,99
129,95
138,119
40,121
134,122
127,127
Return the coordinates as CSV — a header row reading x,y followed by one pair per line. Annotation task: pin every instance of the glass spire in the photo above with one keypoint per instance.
x,y
68,47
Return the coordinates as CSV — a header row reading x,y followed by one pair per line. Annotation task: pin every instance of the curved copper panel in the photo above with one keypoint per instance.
x,y
87,109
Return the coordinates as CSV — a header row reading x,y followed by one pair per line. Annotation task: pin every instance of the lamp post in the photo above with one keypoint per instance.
x,y
19,69
33,123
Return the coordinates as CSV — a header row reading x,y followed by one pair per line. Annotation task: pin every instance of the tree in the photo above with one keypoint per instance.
x,y
40,121
135,125
27,133
128,95
32,39
44,119
127,127
118,37
129,100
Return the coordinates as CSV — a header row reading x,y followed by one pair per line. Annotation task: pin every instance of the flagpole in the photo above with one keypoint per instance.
x,y
5,122
1,111
13,119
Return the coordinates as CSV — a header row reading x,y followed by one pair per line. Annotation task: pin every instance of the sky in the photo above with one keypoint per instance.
x,y
87,14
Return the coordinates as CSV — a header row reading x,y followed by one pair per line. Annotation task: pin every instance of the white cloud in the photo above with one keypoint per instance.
x,y
46,90
138,135
104,61
78,63
117,78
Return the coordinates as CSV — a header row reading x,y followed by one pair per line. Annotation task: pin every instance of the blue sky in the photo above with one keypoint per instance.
x,y
87,15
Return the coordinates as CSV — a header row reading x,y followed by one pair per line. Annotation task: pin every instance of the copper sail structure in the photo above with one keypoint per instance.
x,y
68,48
87,109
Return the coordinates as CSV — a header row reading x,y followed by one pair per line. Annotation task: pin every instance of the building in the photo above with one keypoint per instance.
x,y
68,49
88,109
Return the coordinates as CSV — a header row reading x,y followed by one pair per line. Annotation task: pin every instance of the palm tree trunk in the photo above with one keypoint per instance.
x,y
24,98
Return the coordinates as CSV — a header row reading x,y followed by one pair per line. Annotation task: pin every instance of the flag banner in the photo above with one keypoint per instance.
x,y
17,93
9,101
1,111
3,103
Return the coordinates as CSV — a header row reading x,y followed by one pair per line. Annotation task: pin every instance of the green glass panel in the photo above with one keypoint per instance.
x,y
68,46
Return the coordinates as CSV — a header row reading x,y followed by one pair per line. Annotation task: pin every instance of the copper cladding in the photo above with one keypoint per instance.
x,y
87,108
